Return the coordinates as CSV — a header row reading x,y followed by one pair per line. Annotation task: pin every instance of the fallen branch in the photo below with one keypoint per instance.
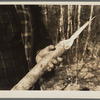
x,y
37,71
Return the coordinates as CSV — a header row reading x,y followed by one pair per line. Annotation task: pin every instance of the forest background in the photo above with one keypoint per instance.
x,y
80,69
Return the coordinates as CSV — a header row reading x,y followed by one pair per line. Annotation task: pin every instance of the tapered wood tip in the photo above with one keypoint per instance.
x,y
93,18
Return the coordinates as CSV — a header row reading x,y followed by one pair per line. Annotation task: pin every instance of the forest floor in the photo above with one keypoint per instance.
x,y
79,76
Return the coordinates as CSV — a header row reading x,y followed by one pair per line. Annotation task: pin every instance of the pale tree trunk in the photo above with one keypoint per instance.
x,y
68,28
56,41
78,26
75,17
61,23
75,28
89,33
79,13
71,27
45,13
77,40
71,11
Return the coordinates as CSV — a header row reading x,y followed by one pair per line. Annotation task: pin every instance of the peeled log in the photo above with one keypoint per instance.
x,y
37,71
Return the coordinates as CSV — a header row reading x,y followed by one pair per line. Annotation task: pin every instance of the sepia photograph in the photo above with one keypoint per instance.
x,y
50,47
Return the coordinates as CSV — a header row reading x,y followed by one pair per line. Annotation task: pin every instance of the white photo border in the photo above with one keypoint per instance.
x,y
50,94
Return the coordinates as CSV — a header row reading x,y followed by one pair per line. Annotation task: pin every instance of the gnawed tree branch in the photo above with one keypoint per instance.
x,y
37,71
